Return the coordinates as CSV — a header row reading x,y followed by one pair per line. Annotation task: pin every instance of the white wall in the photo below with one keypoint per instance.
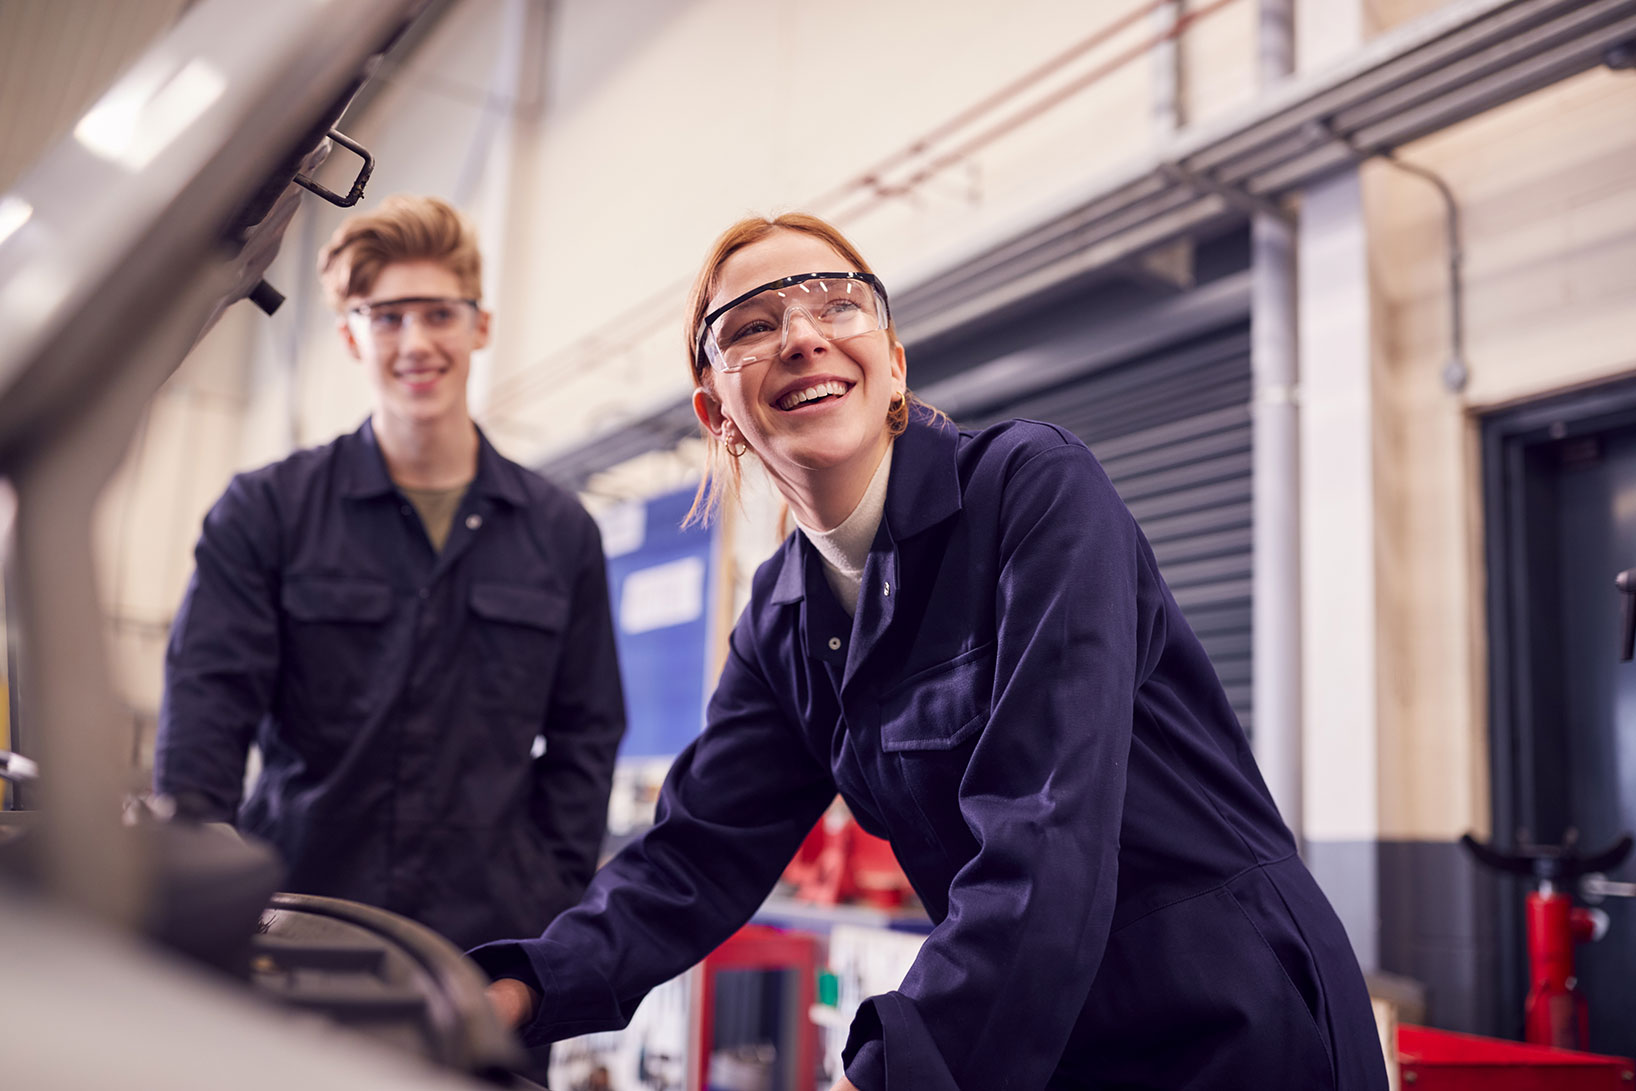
x,y
656,139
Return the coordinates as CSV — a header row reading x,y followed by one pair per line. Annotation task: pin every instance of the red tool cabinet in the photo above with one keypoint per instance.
x,y
758,947
1439,1060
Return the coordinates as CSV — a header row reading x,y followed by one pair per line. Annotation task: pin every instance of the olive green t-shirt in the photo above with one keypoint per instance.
x,y
437,508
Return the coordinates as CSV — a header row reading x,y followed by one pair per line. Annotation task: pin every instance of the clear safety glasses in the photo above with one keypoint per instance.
x,y
754,326
384,321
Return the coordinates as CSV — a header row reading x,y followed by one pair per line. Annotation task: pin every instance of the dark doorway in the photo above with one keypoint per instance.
x,y
1561,495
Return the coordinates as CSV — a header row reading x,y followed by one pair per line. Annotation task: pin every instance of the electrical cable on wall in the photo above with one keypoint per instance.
x,y
1455,370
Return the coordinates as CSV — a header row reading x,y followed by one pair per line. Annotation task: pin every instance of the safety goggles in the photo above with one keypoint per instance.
x,y
384,320
756,325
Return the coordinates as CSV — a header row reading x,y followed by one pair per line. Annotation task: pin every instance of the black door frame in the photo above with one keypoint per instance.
x,y
1516,670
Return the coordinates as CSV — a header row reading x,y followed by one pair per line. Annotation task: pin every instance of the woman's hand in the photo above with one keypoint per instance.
x,y
513,1001
844,1084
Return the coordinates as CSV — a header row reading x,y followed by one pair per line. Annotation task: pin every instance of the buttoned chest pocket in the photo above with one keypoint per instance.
x,y
339,641
518,640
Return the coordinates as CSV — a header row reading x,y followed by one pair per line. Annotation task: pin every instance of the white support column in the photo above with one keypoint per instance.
x,y
501,174
1276,627
1338,555
1276,624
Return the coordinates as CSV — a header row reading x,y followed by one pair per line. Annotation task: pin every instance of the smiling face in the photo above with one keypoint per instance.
x,y
417,373
814,413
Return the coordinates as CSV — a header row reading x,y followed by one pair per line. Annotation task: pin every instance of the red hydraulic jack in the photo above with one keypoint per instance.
x,y
1556,1013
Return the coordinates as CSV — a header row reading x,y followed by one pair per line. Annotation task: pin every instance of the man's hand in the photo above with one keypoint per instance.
x,y
513,1001
844,1084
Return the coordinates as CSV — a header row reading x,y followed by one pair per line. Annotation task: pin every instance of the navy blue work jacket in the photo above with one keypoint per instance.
x,y
1019,706
396,692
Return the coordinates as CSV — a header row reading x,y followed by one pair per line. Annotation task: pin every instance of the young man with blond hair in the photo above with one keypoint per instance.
x,y
413,629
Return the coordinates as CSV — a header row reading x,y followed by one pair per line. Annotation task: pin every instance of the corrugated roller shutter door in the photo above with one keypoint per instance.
x,y
1172,430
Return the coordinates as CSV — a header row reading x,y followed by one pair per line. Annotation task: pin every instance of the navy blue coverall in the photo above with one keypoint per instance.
x,y
396,692
1019,706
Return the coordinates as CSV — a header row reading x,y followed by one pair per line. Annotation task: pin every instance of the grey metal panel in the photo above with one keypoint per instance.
x,y
1197,546
1214,594
1193,383
1216,571
1165,436
1227,441
1228,646
658,429
1234,672
1183,527
1187,473
1210,622
1191,500
1172,431
1104,392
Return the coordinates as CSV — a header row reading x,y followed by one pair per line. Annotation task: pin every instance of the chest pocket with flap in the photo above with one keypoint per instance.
x,y
941,707
518,634
337,637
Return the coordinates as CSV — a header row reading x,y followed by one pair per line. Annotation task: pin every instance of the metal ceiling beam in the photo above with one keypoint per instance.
x,y
1413,81
1027,371
1468,57
658,430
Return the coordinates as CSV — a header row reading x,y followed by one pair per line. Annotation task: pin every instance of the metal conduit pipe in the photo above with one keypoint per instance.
x,y
1168,14
963,151
1167,71
920,157
1450,65
1275,477
1455,371
1444,68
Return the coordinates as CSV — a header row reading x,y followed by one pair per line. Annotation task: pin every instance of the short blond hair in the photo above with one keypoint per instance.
x,y
404,228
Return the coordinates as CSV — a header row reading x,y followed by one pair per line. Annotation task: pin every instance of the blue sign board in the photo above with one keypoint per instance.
x,y
662,583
